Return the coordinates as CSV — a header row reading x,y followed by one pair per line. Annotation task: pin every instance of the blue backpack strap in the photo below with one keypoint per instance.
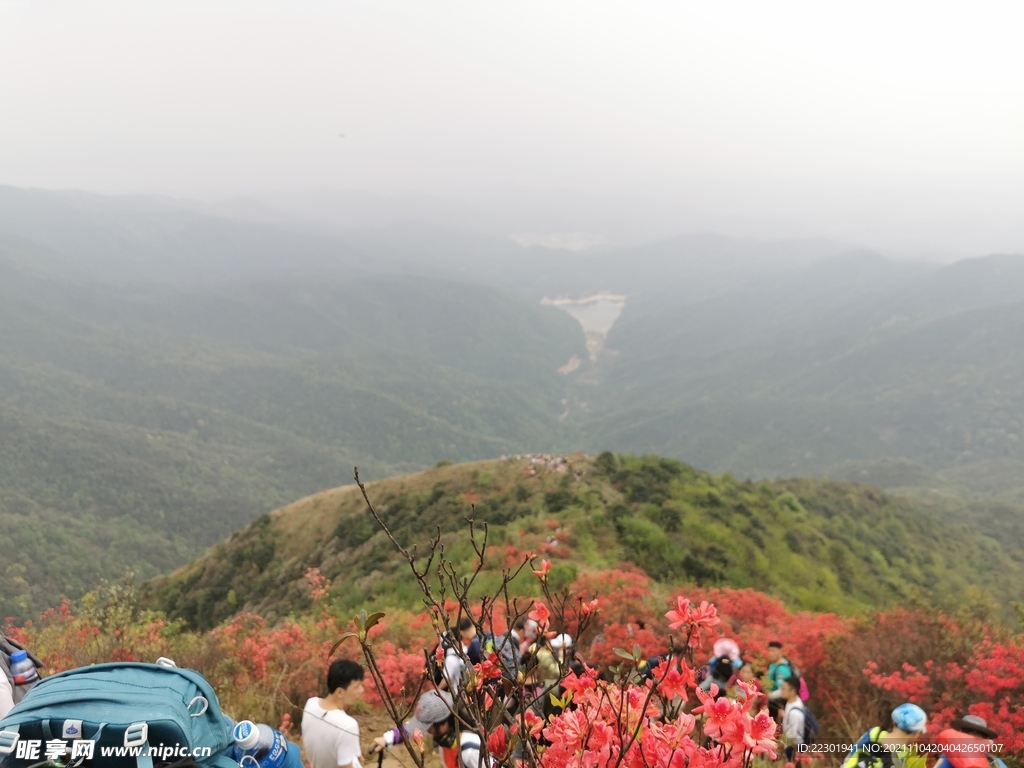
x,y
8,740
137,735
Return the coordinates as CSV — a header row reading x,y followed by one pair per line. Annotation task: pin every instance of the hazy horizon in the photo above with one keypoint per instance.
x,y
896,127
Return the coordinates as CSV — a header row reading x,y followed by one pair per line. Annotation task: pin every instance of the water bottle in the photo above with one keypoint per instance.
x,y
22,669
259,744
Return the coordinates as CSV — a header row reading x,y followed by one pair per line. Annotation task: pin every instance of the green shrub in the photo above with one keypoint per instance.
x,y
559,499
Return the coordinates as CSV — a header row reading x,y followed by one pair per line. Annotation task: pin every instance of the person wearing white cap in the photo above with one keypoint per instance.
x,y
435,716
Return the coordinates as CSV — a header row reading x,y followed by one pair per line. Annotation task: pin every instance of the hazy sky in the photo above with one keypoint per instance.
x,y
898,124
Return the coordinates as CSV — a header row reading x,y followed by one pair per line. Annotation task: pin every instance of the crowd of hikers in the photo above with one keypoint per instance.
x,y
538,662
543,660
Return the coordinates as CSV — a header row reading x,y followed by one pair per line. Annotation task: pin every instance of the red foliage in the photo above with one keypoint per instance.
x,y
402,670
858,670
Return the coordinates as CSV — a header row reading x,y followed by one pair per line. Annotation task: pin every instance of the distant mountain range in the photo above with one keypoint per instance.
x,y
171,370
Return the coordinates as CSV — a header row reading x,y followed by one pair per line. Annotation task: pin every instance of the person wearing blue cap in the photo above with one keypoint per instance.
x,y
879,748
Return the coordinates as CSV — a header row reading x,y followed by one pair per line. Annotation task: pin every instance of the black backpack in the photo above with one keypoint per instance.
x,y
812,731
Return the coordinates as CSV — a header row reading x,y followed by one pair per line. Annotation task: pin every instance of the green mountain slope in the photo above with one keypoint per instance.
x,y
141,424
852,359
818,544
168,373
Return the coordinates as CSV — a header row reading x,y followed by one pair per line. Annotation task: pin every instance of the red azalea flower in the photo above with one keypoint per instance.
x,y
540,614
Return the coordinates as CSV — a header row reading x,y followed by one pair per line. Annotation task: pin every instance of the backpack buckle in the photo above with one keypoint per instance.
x,y
136,734
8,740
201,712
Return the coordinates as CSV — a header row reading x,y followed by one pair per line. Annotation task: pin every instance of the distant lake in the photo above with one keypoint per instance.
x,y
596,314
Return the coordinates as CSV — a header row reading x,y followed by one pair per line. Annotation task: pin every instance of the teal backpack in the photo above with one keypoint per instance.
x,y
138,715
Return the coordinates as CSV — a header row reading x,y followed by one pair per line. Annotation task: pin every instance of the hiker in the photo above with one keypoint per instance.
x,y
879,748
449,676
435,716
555,702
745,674
721,674
794,717
779,669
656,667
652,667
26,669
329,734
550,660
970,743
504,650
6,693
470,642
725,646
527,630
516,635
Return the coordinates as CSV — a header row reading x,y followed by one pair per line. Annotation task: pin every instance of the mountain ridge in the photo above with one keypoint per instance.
x,y
232,366
818,544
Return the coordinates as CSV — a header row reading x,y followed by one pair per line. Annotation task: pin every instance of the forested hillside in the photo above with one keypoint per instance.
x,y
139,424
855,358
819,545
171,370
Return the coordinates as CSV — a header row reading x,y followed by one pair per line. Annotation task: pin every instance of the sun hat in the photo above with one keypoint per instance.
x,y
725,646
974,724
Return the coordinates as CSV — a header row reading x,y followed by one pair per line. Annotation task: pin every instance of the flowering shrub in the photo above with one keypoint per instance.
x,y
948,665
858,669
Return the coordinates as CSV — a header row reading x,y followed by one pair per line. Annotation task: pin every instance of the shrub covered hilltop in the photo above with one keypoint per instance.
x,y
877,599
817,545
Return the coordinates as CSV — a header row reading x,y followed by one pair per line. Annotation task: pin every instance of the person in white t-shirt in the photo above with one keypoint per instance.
x,y
793,720
330,736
